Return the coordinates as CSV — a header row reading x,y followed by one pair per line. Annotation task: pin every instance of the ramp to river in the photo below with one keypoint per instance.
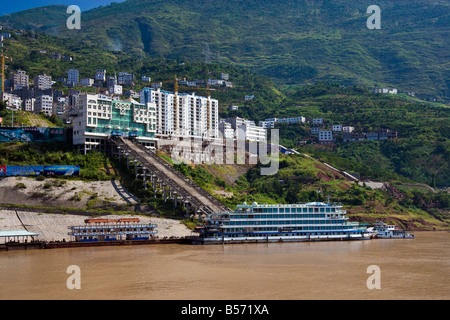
x,y
185,188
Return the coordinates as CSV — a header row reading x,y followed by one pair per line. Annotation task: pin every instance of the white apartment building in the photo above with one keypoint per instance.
x,y
44,103
348,129
325,136
267,124
226,130
250,132
337,128
215,82
125,79
87,82
315,130
100,75
42,82
28,104
317,121
183,115
12,101
73,76
98,116
271,121
291,120
20,80
116,90
236,122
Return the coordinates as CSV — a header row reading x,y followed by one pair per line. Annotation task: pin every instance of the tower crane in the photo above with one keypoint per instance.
x,y
3,57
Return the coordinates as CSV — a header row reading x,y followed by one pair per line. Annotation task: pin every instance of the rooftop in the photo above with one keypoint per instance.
x,y
17,233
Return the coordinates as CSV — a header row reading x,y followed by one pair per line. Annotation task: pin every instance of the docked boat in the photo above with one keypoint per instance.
x,y
313,221
97,230
386,231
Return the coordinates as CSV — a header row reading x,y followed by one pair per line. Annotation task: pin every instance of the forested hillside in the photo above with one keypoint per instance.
x,y
294,42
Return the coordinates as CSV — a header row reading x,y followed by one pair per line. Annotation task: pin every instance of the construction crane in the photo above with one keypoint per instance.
x,y
3,57
3,74
175,104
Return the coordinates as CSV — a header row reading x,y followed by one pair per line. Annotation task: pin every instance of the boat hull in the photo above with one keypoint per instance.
x,y
274,239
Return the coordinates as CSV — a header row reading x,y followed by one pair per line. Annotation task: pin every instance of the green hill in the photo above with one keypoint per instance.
x,y
295,42
420,153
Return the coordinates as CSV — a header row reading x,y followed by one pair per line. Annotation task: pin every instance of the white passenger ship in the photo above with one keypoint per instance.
x,y
281,222
386,231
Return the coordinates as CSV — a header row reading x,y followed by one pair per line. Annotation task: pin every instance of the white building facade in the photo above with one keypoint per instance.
x,y
42,82
183,115
99,116
325,136
44,103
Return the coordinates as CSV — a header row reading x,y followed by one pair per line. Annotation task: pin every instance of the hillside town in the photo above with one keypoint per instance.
x,y
153,110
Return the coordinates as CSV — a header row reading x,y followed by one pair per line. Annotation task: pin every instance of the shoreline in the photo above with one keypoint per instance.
x,y
33,245
188,240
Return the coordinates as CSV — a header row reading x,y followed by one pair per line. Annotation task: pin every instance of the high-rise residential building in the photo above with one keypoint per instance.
x,y
73,76
42,82
99,116
182,114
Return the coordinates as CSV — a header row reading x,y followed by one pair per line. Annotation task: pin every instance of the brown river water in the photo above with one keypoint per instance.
x,y
408,269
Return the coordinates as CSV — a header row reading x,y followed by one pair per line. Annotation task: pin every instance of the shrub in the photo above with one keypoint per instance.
x,y
20,185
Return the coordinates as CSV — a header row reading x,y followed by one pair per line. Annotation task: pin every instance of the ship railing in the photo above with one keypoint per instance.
x,y
110,233
113,226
